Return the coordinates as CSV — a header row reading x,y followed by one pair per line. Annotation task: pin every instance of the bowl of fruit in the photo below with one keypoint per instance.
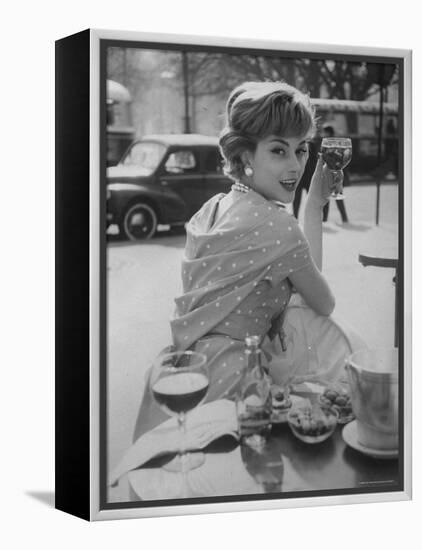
x,y
312,423
338,398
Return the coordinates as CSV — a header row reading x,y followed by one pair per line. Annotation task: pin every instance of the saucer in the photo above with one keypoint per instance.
x,y
350,437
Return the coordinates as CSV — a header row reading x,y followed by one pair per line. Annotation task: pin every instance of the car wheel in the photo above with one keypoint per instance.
x,y
139,222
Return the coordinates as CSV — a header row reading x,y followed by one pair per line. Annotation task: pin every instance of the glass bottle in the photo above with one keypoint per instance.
x,y
254,404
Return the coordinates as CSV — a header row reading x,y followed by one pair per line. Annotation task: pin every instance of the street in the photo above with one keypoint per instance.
x,y
143,279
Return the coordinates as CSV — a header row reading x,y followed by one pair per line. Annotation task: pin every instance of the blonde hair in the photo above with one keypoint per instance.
x,y
256,110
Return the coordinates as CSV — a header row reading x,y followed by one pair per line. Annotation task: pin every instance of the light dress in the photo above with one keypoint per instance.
x,y
235,275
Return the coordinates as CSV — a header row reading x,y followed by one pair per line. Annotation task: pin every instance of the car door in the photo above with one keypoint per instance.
x,y
215,181
181,174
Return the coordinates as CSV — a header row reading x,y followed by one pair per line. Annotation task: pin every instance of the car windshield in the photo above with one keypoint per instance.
x,y
145,154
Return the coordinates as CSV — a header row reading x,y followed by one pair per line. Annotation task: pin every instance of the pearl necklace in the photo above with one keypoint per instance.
x,y
242,188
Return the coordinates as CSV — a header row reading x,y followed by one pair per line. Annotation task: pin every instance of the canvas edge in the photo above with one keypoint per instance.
x,y
247,43
407,283
172,510
94,270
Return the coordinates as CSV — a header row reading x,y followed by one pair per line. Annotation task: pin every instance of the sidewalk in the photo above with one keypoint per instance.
x,y
364,295
357,179
143,280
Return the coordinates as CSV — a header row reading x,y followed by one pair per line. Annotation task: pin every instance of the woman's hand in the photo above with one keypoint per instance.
x,y
323,183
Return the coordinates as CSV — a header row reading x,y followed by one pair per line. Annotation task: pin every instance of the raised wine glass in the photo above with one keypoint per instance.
x,y
179,383
337,153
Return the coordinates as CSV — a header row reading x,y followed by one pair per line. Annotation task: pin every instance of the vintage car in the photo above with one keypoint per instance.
x,y
163,179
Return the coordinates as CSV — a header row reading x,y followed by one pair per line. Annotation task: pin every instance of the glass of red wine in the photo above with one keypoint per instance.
x,y
179,383
337,153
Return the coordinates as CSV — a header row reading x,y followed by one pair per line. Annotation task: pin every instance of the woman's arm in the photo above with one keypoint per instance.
x,y
314,289
319,192
309,281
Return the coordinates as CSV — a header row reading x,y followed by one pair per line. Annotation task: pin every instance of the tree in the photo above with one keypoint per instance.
x,y
215,73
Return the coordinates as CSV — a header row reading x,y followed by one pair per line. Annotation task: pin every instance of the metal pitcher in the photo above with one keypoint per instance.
x,y
373,379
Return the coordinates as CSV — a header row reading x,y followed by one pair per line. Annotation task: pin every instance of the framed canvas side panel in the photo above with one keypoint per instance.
x,y
72,473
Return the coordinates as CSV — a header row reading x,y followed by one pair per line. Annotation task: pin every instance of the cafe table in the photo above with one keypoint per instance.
x,y
287,465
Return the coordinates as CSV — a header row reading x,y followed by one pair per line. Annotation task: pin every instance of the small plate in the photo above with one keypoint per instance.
x,y
350,437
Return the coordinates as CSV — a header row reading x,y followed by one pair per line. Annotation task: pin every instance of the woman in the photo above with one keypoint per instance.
x,y
245,253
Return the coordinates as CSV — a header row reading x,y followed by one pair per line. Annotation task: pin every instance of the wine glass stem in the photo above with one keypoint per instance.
x,y
181,419
338,182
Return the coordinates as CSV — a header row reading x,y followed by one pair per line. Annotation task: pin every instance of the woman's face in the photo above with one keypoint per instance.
x,y
278,164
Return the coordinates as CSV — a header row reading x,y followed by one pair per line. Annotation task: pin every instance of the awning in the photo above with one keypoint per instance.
x,y
117,93
349,105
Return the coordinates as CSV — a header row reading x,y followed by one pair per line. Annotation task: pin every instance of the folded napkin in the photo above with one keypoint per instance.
x,y
203,425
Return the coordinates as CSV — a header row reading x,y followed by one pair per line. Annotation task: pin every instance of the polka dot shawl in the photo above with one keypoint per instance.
x,y
254,240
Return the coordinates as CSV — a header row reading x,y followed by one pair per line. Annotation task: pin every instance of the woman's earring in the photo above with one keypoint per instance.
x,y
248,171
